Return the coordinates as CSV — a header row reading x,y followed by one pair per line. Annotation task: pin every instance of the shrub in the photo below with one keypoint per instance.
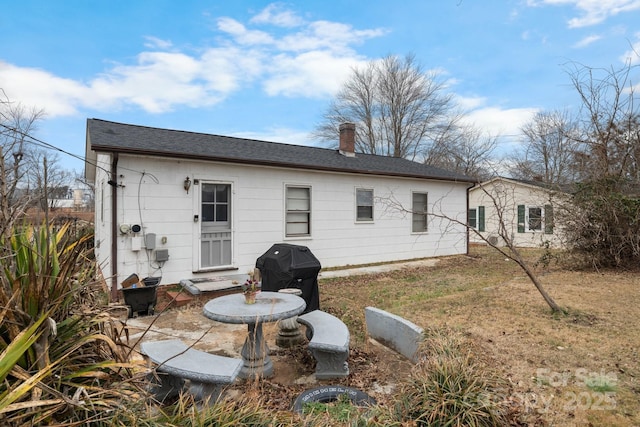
x,y
450,388
603,224
60,362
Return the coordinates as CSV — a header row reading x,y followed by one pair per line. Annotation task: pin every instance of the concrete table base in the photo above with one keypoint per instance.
x,y
289,334
255,355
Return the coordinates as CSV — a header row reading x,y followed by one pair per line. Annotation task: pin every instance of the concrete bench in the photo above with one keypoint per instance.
x,y
328,342
177,362
395,332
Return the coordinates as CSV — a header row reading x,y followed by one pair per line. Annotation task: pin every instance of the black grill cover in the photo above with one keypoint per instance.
x,y
291,266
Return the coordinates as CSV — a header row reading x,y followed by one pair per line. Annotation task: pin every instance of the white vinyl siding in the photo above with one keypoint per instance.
x,y
258,216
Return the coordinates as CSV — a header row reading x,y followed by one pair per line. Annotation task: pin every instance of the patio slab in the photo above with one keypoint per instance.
x,y
211,284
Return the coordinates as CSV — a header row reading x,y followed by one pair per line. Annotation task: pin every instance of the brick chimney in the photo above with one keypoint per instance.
x,y
347,139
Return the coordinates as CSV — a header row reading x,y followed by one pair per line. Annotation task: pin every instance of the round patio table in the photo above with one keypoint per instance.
x,y
269,307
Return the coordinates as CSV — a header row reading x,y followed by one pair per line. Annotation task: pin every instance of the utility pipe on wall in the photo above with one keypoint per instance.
x,y
114,228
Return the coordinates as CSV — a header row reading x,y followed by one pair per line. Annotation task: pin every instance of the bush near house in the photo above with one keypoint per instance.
x,y
60,360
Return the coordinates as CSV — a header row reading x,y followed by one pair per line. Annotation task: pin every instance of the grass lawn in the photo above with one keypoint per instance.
x,y
572,369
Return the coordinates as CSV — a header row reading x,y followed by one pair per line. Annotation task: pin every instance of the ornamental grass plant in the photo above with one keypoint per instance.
x,y
450,387
60,360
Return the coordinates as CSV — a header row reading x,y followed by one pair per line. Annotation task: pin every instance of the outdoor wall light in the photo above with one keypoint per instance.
x,y
187,184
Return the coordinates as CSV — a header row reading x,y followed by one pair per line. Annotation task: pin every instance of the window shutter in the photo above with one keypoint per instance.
x,y
520,218
548,219
480,218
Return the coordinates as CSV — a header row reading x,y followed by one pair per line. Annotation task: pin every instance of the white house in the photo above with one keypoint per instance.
x,y
525,210
185,205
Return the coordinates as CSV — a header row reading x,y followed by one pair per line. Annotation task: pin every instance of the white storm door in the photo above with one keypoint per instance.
x,y
215,225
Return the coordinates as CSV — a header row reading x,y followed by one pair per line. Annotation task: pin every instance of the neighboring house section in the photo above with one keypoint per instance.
x,y
523,211
186,205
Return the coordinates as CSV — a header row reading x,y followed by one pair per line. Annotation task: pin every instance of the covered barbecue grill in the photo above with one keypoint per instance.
x,y
291,266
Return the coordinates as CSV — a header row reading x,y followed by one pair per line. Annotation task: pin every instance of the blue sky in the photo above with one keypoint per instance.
x,y
267,70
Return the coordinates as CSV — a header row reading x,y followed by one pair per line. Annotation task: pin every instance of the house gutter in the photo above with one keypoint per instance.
x,y
114,228
467,223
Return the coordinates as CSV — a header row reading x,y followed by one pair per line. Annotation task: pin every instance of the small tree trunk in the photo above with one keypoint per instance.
x,y
554,307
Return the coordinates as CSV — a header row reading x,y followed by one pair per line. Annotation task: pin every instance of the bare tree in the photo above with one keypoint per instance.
x,y
609,120
551,151
57,182
603,221
399,110
465,150
16,123
29,171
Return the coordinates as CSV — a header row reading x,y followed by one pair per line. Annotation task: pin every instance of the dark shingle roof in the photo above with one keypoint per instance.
x,y
105,136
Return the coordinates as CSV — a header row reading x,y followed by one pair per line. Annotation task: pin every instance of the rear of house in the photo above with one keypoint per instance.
x,y
184,205
526,210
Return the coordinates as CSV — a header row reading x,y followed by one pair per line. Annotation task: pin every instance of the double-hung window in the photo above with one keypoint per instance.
x,y
364,204
535,218
298,211
472,218
476,218
419,212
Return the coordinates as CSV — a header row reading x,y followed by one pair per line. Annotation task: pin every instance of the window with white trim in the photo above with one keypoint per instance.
x,y
364,204
476,218
472,218
419,212
298,211
535,218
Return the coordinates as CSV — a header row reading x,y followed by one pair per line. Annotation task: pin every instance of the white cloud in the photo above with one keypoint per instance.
x,y
310,74
327,35
275,14
496,121
470,103
241,34
41,89
226,69
593,11
156,43
587,41
156,83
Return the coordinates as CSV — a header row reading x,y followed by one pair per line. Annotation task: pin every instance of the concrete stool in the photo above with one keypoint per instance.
x,y
289,334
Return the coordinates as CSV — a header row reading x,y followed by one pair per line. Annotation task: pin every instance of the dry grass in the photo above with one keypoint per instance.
x,y
576,369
